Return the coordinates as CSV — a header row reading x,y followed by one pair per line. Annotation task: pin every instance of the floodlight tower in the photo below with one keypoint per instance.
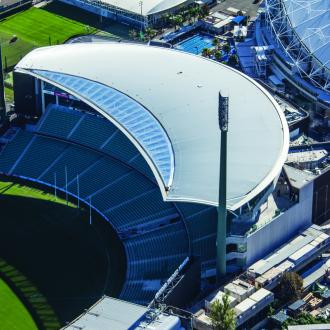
x,y
2,92
222,208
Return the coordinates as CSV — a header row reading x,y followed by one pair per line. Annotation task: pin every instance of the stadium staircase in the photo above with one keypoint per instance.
x,y
70,147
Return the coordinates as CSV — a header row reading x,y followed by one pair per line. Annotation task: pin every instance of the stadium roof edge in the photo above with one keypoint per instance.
x,y
258,139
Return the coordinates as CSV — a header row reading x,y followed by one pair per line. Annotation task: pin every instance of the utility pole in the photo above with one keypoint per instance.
x,y
222,208
141,6
2,92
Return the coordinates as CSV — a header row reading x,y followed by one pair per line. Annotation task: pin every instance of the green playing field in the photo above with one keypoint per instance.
x,y
33,28
13,314
55,254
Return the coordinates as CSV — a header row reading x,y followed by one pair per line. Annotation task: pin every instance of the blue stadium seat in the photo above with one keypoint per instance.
x,y
121,186
93,131
202,226
74,160
150,257
58,121
13,150
120,147
42,152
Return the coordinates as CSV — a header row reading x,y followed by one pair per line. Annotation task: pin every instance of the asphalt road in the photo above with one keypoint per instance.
x,y
244,5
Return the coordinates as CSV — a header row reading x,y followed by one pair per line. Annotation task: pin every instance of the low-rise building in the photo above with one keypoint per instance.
x,y
218,295
239,289
253,305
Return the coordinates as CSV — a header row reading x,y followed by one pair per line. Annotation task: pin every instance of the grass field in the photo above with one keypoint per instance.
x,y
70,262
33,28
13,314
8,188
9,94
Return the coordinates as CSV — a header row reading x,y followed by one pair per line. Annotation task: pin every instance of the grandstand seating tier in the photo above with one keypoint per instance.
x,y
121,186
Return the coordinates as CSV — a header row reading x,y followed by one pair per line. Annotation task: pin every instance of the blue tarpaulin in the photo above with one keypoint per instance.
x,y
238,19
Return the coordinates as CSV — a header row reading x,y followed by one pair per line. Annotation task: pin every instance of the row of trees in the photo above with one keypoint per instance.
x,y
146,35
218,51
190,15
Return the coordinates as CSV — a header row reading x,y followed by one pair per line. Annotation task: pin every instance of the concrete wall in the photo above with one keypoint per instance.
x,y
321,206
285,226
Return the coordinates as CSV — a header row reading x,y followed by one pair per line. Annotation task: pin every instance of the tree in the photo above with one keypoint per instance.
x,y
205,11
222,315
291,287
196,11
133,34
217,55
226,48
233,60
192,13
150,33
206,52
215,42
176,20
304,318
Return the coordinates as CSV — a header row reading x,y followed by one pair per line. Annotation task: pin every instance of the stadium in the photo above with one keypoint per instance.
x,y
299,32
138,13
133,134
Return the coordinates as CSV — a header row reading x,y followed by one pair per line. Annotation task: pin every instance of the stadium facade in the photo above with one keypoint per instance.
x,y
298,33
139,142
135,13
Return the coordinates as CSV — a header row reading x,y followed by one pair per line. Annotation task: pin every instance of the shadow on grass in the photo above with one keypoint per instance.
x,y
87,18
37,305
71,262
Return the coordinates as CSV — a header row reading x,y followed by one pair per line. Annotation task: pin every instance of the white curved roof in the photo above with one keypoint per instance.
x,y
311,21
149,7
180,91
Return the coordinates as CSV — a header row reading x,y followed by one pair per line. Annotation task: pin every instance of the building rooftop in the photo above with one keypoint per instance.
x,y
176,96
111,313
297,304
307,156
309,327
298,178
299,244
260,295
108,313
148,7
245,305
269,275
280,317
239,288
217,295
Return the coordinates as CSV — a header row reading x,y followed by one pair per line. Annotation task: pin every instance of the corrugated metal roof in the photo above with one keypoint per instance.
x,y
301,252
108,313
245,305
300,243
260,295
